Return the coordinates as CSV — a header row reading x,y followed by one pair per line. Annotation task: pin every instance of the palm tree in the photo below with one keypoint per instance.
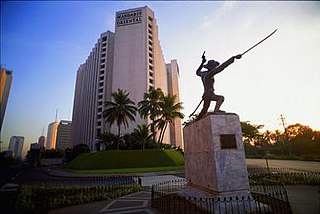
x,y
141,135
120,111
169,110
150,107
106,138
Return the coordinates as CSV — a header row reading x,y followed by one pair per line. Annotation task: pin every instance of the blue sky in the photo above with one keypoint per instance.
x,y
45,42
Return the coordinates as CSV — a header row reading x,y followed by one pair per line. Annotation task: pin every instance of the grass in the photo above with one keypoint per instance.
x,y
126,160
127,170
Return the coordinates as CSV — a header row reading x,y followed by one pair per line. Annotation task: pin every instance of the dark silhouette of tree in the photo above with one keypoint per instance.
x,y
107,139
250,132
169,110
141,135
149,107
120,111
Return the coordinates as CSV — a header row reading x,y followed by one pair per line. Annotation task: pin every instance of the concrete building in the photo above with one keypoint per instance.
x,y
130,59
174,88
16,146
35,146
64,135
5,80
42,141
93,87
52,135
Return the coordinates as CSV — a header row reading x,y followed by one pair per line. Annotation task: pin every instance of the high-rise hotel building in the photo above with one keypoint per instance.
x,y
130,59
5,85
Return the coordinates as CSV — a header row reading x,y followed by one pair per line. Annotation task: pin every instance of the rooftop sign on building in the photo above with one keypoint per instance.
x,y
128,18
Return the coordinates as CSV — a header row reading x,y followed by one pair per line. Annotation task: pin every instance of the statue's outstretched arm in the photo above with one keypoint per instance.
x,y
221,67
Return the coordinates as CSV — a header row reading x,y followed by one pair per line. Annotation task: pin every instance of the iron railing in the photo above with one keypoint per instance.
x,y
167,198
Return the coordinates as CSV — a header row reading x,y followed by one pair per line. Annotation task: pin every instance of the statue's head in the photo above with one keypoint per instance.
x,y
211,64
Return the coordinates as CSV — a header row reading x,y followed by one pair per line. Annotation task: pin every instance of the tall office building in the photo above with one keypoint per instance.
x,y
6,79
16,146
42,141
64,135
52,135
173,88
93,87
130,59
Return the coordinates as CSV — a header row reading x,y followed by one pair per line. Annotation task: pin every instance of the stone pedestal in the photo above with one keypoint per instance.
x,y
214,157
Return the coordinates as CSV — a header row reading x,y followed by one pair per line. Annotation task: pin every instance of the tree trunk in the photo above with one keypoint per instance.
x,y
118,138
164,130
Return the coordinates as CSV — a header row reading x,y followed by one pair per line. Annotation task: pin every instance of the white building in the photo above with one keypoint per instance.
x,y
16,146
130,59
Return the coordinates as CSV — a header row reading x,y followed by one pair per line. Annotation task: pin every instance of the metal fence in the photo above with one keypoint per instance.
x,y
44,195
263,199
87,181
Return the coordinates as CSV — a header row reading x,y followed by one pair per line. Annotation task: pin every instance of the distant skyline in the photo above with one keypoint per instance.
x,y
44,43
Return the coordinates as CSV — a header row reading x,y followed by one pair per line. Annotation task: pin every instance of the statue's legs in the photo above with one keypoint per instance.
x,y
206,104
219,100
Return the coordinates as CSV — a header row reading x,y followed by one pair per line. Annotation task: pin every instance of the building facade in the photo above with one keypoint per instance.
x,y
42,141
5,80
52,135
93,88
130,59
64,135
16,146
174,89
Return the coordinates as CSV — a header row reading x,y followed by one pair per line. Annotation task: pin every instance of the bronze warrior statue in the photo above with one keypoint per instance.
x,y
213,67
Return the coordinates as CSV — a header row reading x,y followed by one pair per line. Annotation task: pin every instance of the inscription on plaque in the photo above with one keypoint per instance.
x,y
228,141
128,18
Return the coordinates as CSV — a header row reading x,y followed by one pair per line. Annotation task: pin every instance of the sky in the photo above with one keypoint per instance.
x,y
44,42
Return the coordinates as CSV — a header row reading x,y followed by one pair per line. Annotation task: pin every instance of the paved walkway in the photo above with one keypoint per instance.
x,y
136,203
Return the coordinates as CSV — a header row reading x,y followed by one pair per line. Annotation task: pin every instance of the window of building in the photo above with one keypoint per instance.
x,y
150,55
102,66
104,49
150,49
100,103
101,78
150,18
100,109
101,71
104,39
150,31
150,74
150,61
104,44
100,90
100,96
98,131
151,81
150,37
150,26
103,60
150,67
100,84
99,123
103,55
150,43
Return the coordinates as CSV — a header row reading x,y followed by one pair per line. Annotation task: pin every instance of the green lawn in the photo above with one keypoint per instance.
x,y
128,160
127,170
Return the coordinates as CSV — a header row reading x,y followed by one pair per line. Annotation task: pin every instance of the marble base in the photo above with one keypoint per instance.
x,y
214,155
